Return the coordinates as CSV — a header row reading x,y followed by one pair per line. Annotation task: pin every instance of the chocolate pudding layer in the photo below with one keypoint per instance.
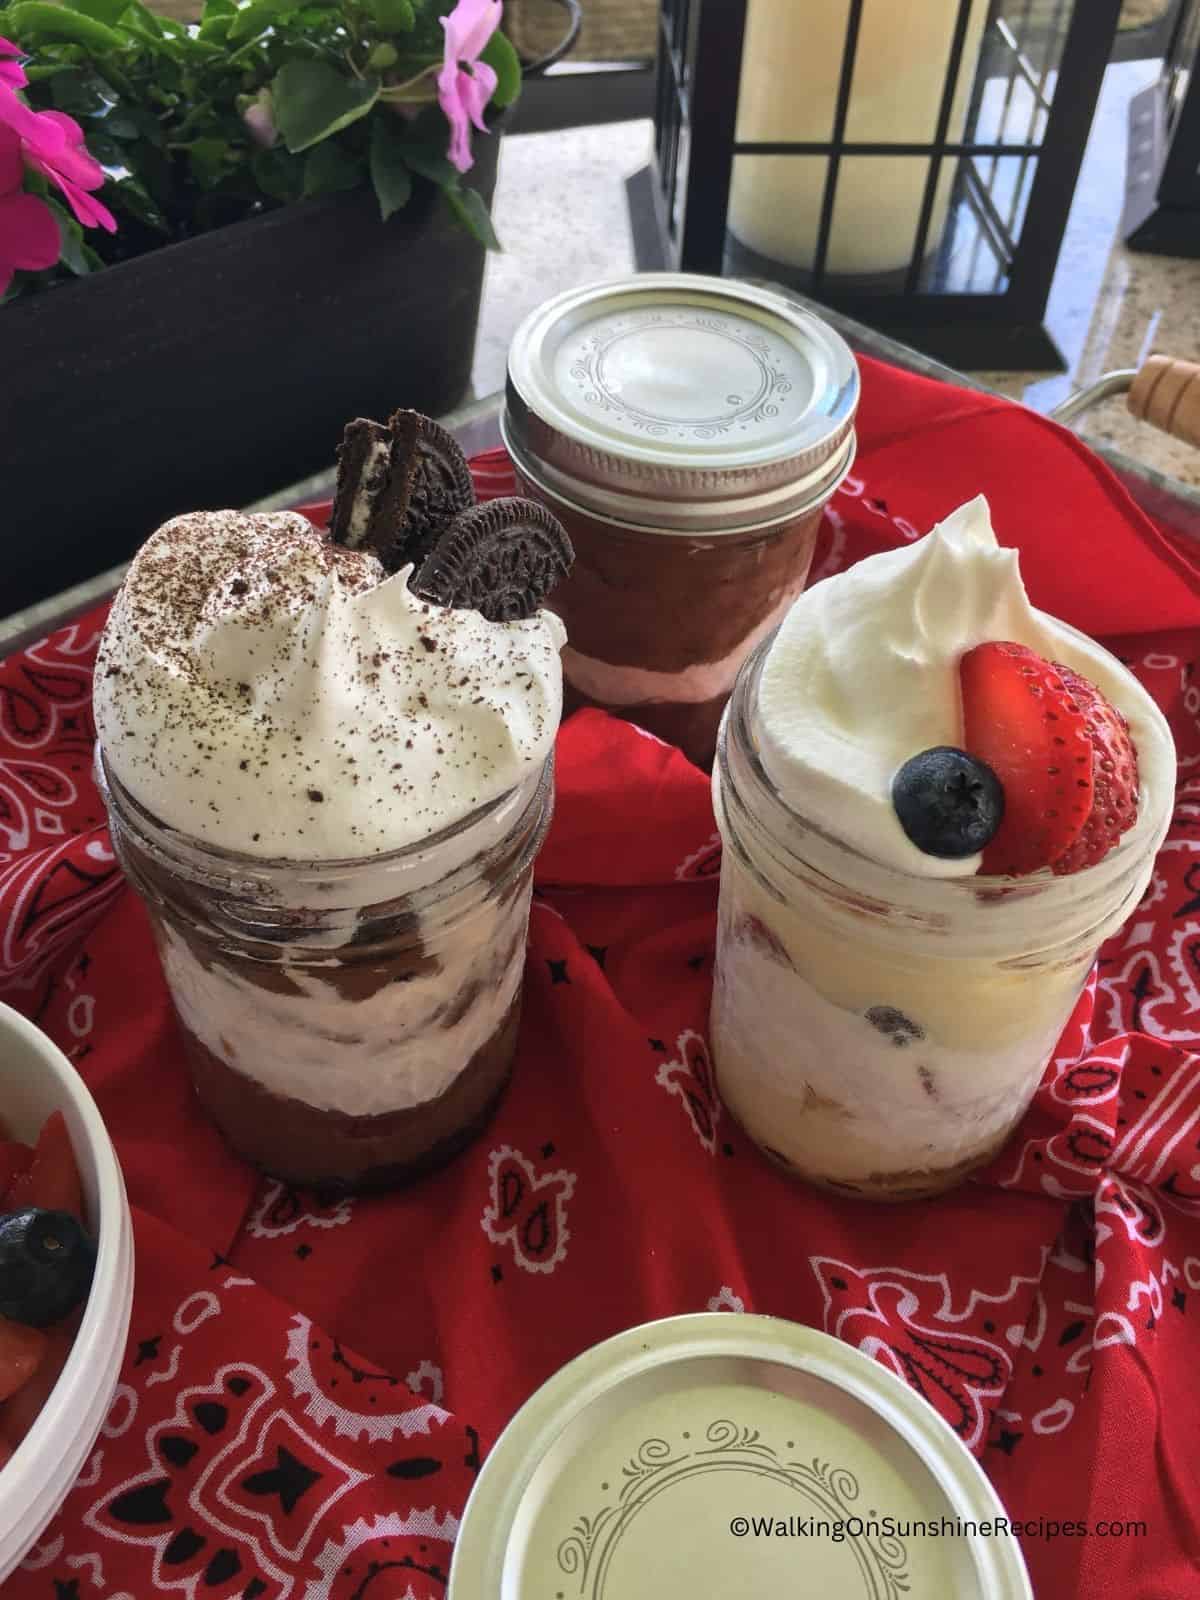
x,y
660,622
331,1151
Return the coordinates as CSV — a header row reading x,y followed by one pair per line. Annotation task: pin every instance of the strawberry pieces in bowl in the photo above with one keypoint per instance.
x,y
47,1261
60,1191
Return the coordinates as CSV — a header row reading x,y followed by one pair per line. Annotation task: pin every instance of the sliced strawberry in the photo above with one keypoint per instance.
x,y
21,1353
52,1181
20,1413
1114,777
15,1158
1022,719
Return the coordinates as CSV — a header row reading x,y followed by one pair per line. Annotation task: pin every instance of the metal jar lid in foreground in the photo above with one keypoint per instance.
x,y
681,403
653,1466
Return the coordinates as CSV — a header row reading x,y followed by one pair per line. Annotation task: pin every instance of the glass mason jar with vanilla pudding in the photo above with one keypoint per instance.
x,y
688,433
882,1016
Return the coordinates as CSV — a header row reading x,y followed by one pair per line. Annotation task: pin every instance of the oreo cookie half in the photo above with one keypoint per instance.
x,y
397,487
501,559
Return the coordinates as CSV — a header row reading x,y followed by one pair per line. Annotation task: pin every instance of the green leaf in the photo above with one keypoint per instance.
x,y
118,124
35,20
135,12
217,8
130,196
107,151
313,100
390,174
328,169
71,236
249,21
506,64
430,164
278,174
211,160
473,214
383,56
150,129
153,172
393,16
77,93
103,10
215,29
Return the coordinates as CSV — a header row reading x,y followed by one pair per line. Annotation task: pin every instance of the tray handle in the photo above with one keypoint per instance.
x,y
1166,392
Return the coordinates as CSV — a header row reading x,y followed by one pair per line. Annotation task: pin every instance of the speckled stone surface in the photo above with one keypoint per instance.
x,y
1111,307
561,213
562,218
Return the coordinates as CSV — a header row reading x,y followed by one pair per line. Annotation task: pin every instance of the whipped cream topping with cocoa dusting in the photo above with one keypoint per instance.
x,y
266,691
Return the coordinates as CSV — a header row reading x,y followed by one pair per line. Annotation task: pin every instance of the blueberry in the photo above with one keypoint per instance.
x,y
948,803
46,1265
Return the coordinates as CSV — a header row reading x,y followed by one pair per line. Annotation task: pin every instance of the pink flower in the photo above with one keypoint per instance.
x,y
29,236
10,69
466,84
52,144
259,117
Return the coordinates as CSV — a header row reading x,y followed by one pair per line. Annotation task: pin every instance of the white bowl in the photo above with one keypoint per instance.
x,y
36,1079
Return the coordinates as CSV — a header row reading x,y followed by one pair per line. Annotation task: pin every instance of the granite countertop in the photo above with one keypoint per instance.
x,y
1111,307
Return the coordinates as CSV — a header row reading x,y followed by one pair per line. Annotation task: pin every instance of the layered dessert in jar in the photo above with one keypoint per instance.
x,y
688,432
327,763
936,803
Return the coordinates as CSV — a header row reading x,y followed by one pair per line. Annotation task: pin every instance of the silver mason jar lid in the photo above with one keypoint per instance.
x,y
682,403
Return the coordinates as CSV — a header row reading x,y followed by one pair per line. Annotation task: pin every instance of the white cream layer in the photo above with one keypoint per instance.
x,y
265,691
365,1057
864,674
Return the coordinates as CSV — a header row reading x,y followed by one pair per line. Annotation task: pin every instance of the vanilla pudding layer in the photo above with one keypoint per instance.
x,y
312,1031
931,1086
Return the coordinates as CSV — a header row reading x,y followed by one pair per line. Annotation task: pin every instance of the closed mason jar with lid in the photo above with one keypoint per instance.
x,y
688,432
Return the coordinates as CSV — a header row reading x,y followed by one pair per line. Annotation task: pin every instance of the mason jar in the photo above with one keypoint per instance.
x,y
875,1032
688,433
347,1024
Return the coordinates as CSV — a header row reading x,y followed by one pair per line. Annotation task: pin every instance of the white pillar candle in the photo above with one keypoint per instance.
x,y
791,70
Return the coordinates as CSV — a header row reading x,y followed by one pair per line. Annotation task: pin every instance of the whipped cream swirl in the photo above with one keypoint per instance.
x,y
266,691
863,674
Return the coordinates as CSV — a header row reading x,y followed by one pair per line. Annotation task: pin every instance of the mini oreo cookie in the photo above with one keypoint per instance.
x,y
397,487
501,559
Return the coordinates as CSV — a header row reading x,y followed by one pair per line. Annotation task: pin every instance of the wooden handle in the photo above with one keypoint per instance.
x,y
1167,393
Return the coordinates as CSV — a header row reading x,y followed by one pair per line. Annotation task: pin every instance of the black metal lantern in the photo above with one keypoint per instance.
x,y
1162,192
911,164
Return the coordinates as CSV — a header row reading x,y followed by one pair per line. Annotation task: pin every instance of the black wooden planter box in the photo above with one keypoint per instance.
x,y
214,372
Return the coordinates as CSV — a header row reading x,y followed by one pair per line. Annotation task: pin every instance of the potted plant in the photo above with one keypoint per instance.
x,y
263,228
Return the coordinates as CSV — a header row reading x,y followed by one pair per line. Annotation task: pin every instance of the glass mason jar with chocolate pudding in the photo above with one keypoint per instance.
x,y
688,432
327,760
348,1024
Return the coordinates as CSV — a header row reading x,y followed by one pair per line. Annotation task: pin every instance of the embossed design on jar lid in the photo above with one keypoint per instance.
x,y
721,1453
681,402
